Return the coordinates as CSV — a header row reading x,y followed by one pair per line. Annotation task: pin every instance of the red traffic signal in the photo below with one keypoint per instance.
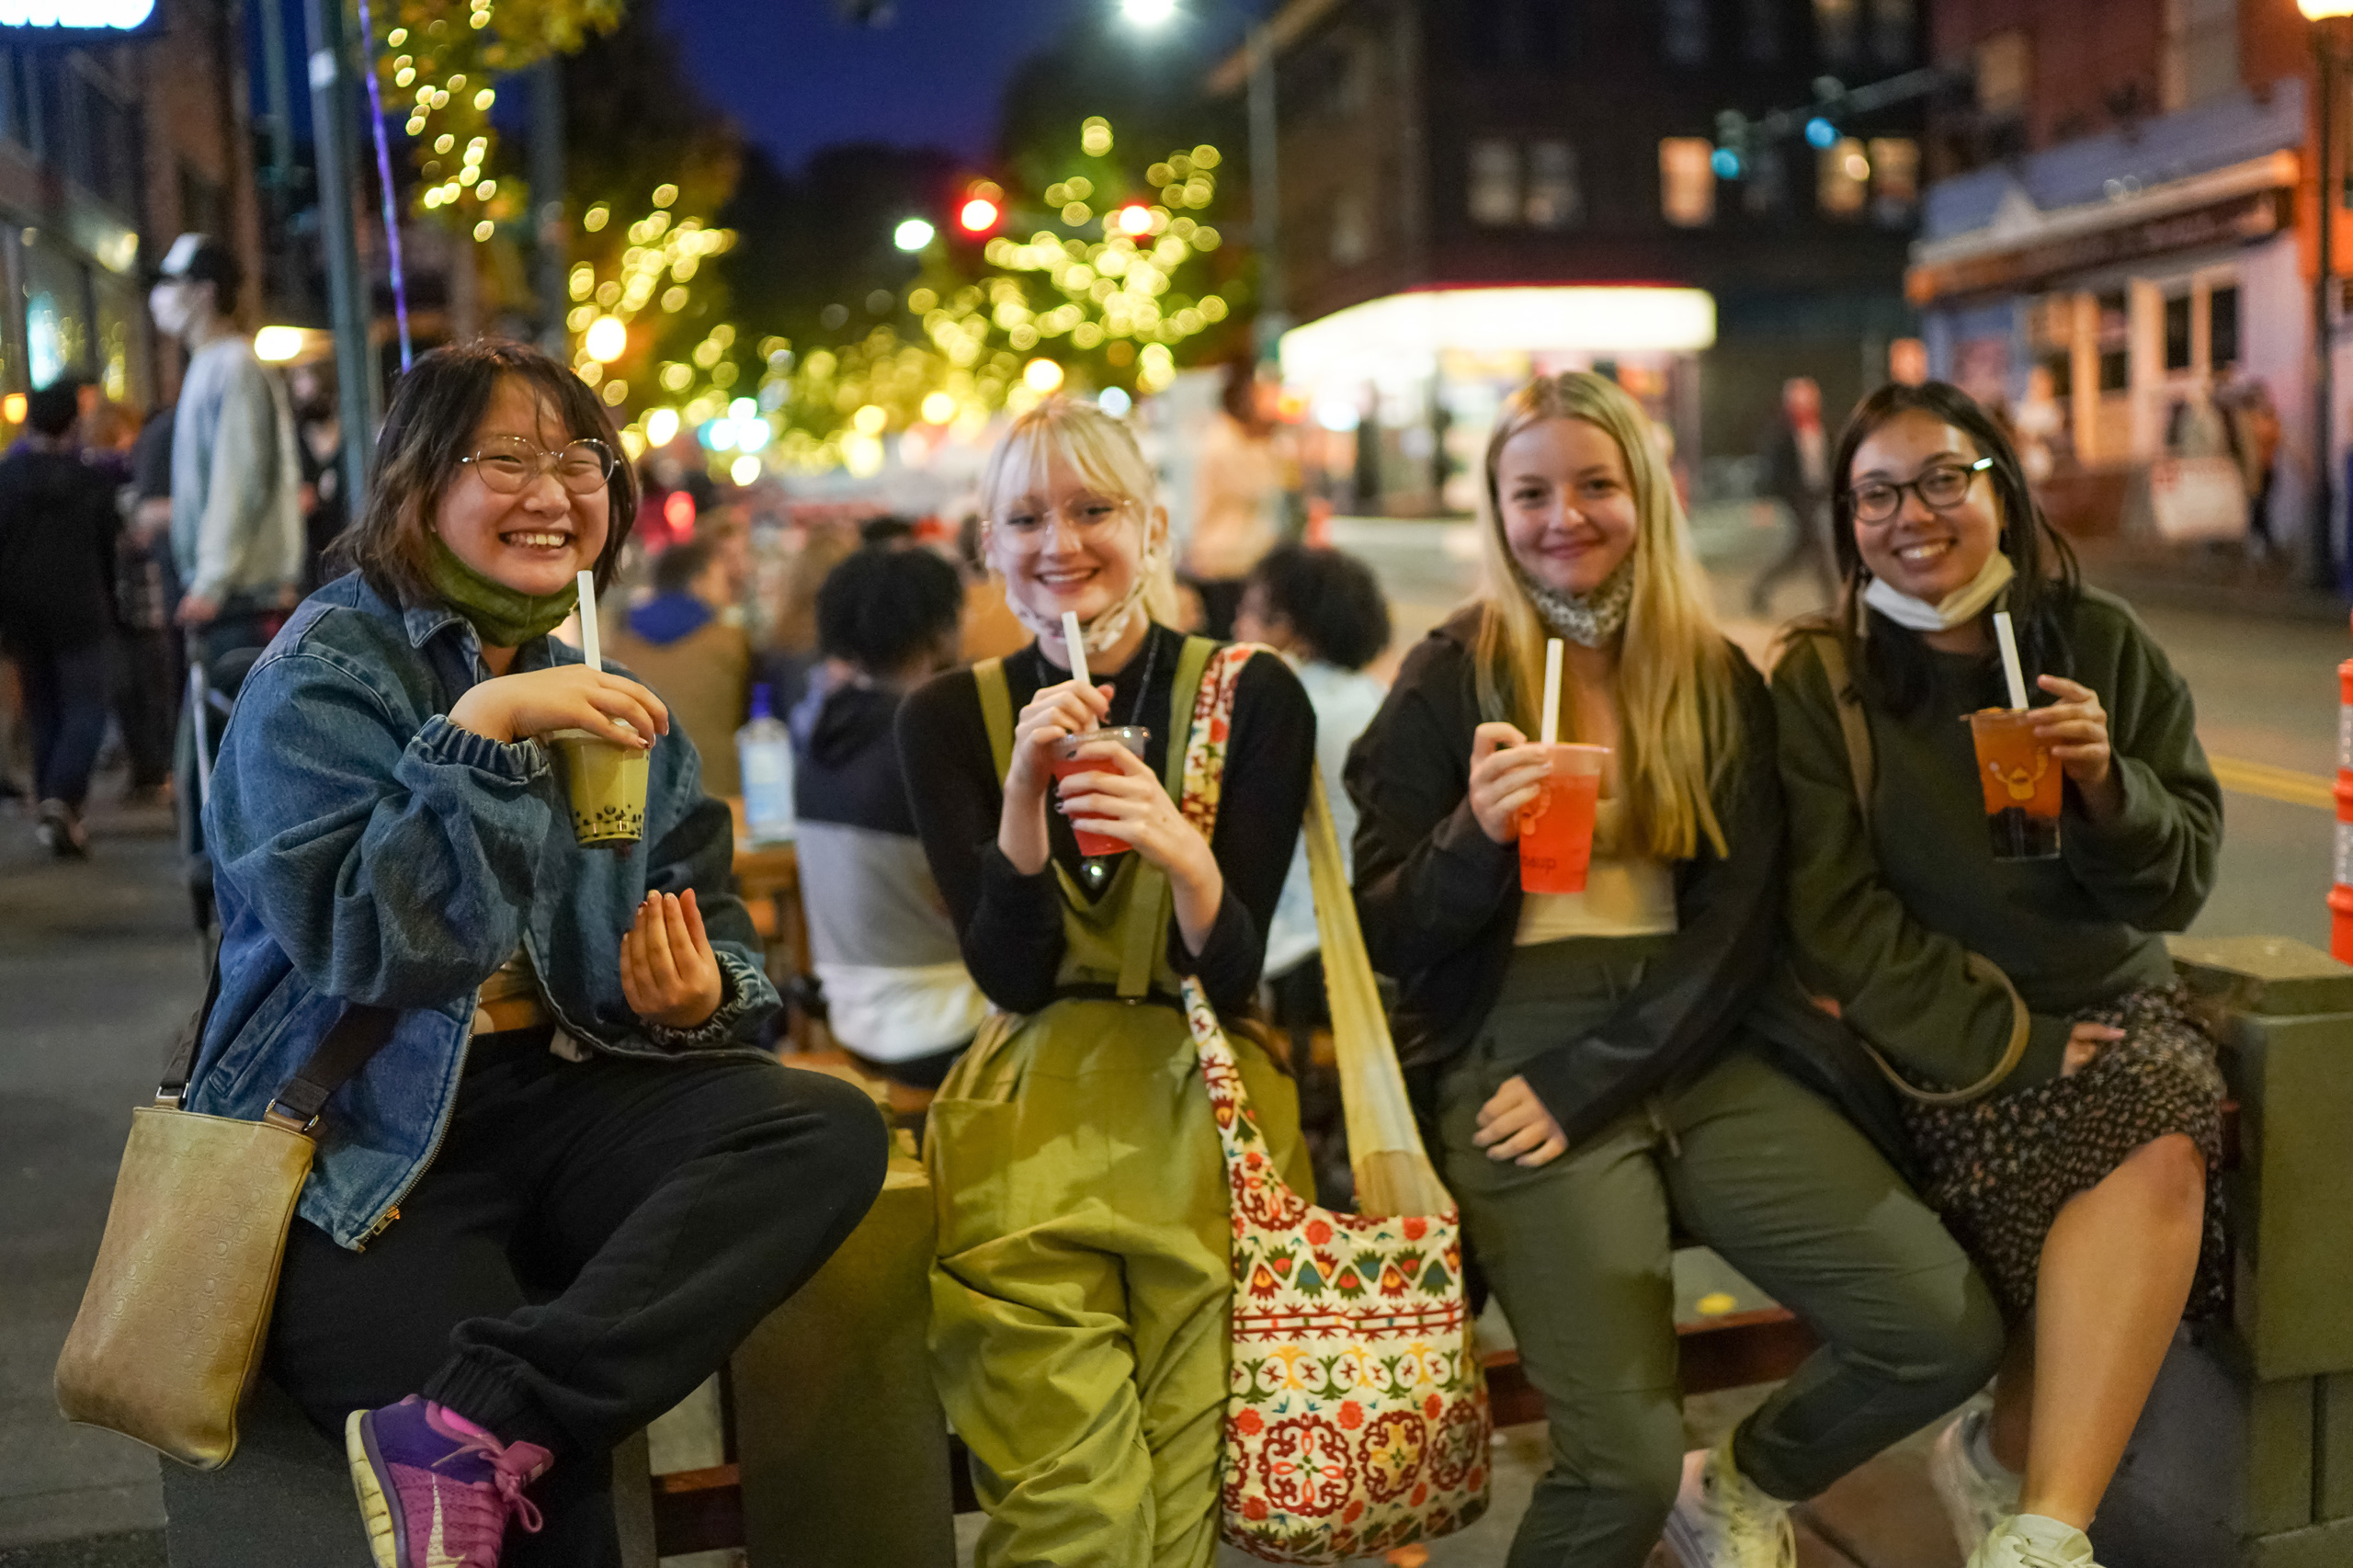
x,y
983,209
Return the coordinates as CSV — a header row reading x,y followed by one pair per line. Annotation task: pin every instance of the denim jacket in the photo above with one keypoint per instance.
x,y
366,850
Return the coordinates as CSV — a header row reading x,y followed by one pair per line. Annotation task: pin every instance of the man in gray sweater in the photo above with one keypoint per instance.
x,y
236,512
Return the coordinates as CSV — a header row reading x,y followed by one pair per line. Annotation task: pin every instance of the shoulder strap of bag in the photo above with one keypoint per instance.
x,y
996,710
356,1038
1856,727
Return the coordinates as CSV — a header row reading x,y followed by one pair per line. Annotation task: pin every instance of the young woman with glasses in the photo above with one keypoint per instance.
x,y
570,1183
1079,1303
1609,1065
2079,1179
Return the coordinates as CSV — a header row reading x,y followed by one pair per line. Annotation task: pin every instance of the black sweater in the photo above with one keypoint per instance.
x,y
1010,925
57,534
1441,899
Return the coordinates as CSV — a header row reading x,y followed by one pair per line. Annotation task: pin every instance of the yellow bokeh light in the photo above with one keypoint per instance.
x,y
869,420
615,391
595,217
662,425
664,194
607,339
744,470
1041,376
484,230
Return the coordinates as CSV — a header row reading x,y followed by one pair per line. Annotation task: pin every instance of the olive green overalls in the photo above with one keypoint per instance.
x,y
1079,1331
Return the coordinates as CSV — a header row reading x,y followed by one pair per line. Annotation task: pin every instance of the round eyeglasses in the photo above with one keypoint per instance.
x,y
508,464
1940,489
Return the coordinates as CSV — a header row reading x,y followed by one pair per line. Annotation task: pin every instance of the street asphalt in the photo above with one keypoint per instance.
x,y
99,965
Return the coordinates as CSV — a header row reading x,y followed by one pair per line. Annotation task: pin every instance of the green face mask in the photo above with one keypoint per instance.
x,y
505,618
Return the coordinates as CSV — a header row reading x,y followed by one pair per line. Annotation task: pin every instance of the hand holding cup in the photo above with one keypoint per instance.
x,y
1506,774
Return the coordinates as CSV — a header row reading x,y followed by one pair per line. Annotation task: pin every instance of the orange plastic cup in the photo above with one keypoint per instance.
x,y
1068,765
2020,781
1556,828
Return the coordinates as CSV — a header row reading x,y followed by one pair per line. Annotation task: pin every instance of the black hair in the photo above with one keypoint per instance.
x,y
1890,663
675,569
52,410
881,607
888,529
1331,599
428,433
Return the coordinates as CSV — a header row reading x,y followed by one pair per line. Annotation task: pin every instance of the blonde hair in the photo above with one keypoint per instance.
x,y
1104,453
1678,723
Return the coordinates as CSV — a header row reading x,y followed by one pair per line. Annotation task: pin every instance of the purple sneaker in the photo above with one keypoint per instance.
x,y
436,1490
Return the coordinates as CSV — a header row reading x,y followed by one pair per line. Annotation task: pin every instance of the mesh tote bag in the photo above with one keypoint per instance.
x,y
1357,1418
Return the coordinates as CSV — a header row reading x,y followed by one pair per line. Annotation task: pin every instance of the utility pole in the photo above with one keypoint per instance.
x,y
550,231
2322,572
333,109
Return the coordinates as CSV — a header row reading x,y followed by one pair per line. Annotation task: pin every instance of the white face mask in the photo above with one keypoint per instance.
x,y
168,303
1958,608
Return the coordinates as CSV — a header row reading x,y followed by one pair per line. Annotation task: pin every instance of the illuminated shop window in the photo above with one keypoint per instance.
x,y
1687,181
1842,178
1494,182
1554,200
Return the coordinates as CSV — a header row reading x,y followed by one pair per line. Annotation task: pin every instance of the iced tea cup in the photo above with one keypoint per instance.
x,y
2020,781
1068,764
607,784
1556,828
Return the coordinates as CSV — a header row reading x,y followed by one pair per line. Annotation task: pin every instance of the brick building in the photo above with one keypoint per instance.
x,y
2119,228
106,152
1436,148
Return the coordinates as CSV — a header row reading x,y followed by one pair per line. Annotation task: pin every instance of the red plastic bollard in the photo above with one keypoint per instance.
x,y
2340,897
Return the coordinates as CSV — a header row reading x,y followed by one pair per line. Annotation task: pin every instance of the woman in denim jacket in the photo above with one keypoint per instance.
x,y
570,1183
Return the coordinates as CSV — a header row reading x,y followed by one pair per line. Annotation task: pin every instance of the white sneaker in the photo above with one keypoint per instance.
x,y
1723,1520
1975,1502
2030,1541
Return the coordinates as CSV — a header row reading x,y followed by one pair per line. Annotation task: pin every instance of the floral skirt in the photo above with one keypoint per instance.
x,y
1999,1169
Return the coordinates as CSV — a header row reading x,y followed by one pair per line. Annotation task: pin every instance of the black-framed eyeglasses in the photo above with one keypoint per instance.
x,y
508,464
1940,489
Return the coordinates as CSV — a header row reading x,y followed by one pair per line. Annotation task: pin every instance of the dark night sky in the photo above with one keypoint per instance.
x,y
796,77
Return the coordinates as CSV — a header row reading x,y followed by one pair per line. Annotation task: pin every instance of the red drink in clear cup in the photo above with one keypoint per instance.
x,y
1556,828
1068,765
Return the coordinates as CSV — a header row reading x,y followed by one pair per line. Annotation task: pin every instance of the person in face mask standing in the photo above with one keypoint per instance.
x,y
2078,1180
236,479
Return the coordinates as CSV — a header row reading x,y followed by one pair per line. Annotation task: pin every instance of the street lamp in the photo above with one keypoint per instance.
x,y
2325,16
1259,42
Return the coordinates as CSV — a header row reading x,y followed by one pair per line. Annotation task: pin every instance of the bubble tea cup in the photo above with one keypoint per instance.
x,y
1069,765
607,783
1556,828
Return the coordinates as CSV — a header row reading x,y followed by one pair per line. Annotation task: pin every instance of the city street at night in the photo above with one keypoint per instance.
x,y
1169,783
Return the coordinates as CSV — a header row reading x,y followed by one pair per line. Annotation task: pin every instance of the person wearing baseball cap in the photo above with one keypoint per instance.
x,y
236,512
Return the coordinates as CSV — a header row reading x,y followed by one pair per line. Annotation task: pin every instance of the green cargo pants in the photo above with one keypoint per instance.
x,y
1080,1299
1763,1171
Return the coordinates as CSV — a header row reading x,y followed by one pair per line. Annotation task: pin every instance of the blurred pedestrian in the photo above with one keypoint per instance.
x,y
1083,1282
2079,1170
684,644
236,470
2255,436
1796,473
1322,610
1609,1065
57,585
898,998
147,700
569,1183
1237,499
318,434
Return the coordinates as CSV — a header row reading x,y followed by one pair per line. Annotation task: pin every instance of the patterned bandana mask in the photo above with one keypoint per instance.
x,y
1587,619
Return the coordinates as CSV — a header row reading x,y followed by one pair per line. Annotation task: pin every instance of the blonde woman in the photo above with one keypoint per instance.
x,y
1080,1299
1605,1065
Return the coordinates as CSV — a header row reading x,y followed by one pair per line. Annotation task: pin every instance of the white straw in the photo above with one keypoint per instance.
x,y
1552,690
591,648
1076,645
2009,641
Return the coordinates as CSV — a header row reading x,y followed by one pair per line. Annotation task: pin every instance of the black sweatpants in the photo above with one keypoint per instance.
x,y
592,1240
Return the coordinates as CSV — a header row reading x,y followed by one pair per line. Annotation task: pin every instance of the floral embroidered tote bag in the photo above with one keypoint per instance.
x,y
1357,1419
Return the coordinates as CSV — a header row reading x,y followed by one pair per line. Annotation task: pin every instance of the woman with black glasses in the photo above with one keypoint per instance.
x,y
1990,922
569,1182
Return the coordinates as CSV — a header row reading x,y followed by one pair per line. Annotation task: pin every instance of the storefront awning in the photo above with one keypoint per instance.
x,y
2025,247
1367,340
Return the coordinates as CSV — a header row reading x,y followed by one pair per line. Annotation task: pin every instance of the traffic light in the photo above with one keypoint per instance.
x,y
982,210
